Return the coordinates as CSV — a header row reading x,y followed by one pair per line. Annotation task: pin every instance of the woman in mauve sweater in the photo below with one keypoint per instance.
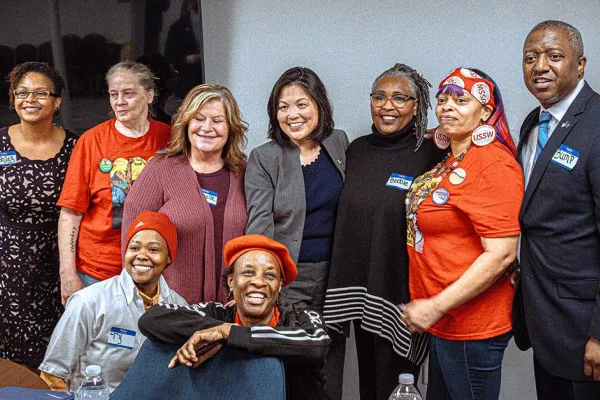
x,y
198,182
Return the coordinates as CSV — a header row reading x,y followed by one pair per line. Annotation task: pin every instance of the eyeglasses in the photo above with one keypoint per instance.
x,y
398,100
38,94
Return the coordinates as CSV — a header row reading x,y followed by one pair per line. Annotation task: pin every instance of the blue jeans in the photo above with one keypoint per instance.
x,y
86,279
470,369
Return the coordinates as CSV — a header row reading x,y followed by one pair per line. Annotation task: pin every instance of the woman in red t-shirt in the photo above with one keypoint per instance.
x,y
463,230
105,163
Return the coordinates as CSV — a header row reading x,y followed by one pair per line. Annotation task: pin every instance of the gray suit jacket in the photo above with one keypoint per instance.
x,y
275,198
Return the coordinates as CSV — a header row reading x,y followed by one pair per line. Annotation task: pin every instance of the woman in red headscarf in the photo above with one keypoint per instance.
x,y
463,229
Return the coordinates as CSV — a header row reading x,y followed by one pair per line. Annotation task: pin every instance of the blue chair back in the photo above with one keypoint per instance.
x,y
230,374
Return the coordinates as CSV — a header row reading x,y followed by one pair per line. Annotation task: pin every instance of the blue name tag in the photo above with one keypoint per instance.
x,y
121,337
566,157
398,181
210,196
8,158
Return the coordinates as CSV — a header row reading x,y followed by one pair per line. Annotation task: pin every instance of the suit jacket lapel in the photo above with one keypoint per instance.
x,y
530,121
562,130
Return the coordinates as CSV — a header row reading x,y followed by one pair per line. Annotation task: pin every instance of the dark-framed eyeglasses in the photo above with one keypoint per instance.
x,y
22,93
398,100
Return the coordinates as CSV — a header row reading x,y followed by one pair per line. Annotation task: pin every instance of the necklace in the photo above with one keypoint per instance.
x,y
420,189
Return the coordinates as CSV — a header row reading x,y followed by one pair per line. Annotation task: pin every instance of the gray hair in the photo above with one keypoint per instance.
x,y
144,76
419,87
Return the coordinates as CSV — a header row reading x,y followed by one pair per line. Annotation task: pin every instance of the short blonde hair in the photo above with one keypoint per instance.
x,y
198,97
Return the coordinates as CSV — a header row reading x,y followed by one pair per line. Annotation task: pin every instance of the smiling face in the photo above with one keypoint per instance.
x,y
128,99
551,68
208,131
297,113
34,110
458,116
389,118
146,257
255,282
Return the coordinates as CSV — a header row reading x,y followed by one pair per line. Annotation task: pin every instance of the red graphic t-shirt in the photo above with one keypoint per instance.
x,y
103,166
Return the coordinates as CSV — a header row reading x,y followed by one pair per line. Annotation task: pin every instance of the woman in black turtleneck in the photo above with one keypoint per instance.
x,y
369,266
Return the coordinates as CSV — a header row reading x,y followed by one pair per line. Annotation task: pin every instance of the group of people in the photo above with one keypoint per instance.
x,y
412,235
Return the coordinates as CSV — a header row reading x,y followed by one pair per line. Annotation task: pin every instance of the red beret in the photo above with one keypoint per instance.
x,y
243,244
155,221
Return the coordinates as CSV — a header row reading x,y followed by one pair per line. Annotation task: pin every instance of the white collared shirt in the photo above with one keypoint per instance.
x,y
85,335
557,112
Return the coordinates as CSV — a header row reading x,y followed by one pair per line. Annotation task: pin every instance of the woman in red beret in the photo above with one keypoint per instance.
x,y
258,267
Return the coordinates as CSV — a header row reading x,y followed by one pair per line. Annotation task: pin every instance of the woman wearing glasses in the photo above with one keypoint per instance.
x,y
34,154
293,182
369,263
106,162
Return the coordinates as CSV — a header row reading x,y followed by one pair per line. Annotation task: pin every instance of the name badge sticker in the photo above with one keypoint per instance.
x,y
398,181
210,196
566,157
121,337
8,158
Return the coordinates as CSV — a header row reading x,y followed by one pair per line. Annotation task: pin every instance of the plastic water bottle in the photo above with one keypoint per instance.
x,y
93,386
406,389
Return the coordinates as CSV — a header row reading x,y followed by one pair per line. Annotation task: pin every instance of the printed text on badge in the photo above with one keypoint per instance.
x,y
566,157
398,181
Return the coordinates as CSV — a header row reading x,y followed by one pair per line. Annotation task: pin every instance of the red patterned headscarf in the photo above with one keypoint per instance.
x,y
484,91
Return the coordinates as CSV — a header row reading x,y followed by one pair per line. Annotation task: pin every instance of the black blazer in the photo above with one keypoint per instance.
x,y
560,243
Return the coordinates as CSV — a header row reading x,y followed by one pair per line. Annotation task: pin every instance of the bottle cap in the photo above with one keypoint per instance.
x,y
404,379
93,370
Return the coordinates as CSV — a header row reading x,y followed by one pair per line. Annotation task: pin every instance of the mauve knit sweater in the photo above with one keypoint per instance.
x,y
170,185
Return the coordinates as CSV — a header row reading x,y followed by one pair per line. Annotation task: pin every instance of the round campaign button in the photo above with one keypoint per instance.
x,y
469,74
481,91
454,80
484,134
105,165
458,176
440,196
441,140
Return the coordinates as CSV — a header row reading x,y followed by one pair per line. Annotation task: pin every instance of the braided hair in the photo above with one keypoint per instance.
x,y
420,89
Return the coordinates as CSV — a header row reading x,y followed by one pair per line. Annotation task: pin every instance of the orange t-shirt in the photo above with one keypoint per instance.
x,y
103,166
486,204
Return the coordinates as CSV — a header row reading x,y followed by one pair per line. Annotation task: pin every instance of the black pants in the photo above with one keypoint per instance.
x,y
550,387
309,287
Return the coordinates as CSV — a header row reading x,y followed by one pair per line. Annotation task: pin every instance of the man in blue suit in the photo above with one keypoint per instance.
x,y
557,306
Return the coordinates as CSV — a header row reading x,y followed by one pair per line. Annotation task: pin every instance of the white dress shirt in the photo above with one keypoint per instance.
x,y
557,112
85,335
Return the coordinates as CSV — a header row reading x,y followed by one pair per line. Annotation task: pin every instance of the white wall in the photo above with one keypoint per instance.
x,y
248,44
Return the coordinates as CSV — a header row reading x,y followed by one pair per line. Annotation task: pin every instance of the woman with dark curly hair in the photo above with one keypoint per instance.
x,y
34,155
198,182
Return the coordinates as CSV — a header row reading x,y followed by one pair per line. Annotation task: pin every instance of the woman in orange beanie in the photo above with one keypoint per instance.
x,y
99,325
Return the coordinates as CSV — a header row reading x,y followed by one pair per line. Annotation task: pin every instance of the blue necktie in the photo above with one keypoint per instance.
x,y
545,118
